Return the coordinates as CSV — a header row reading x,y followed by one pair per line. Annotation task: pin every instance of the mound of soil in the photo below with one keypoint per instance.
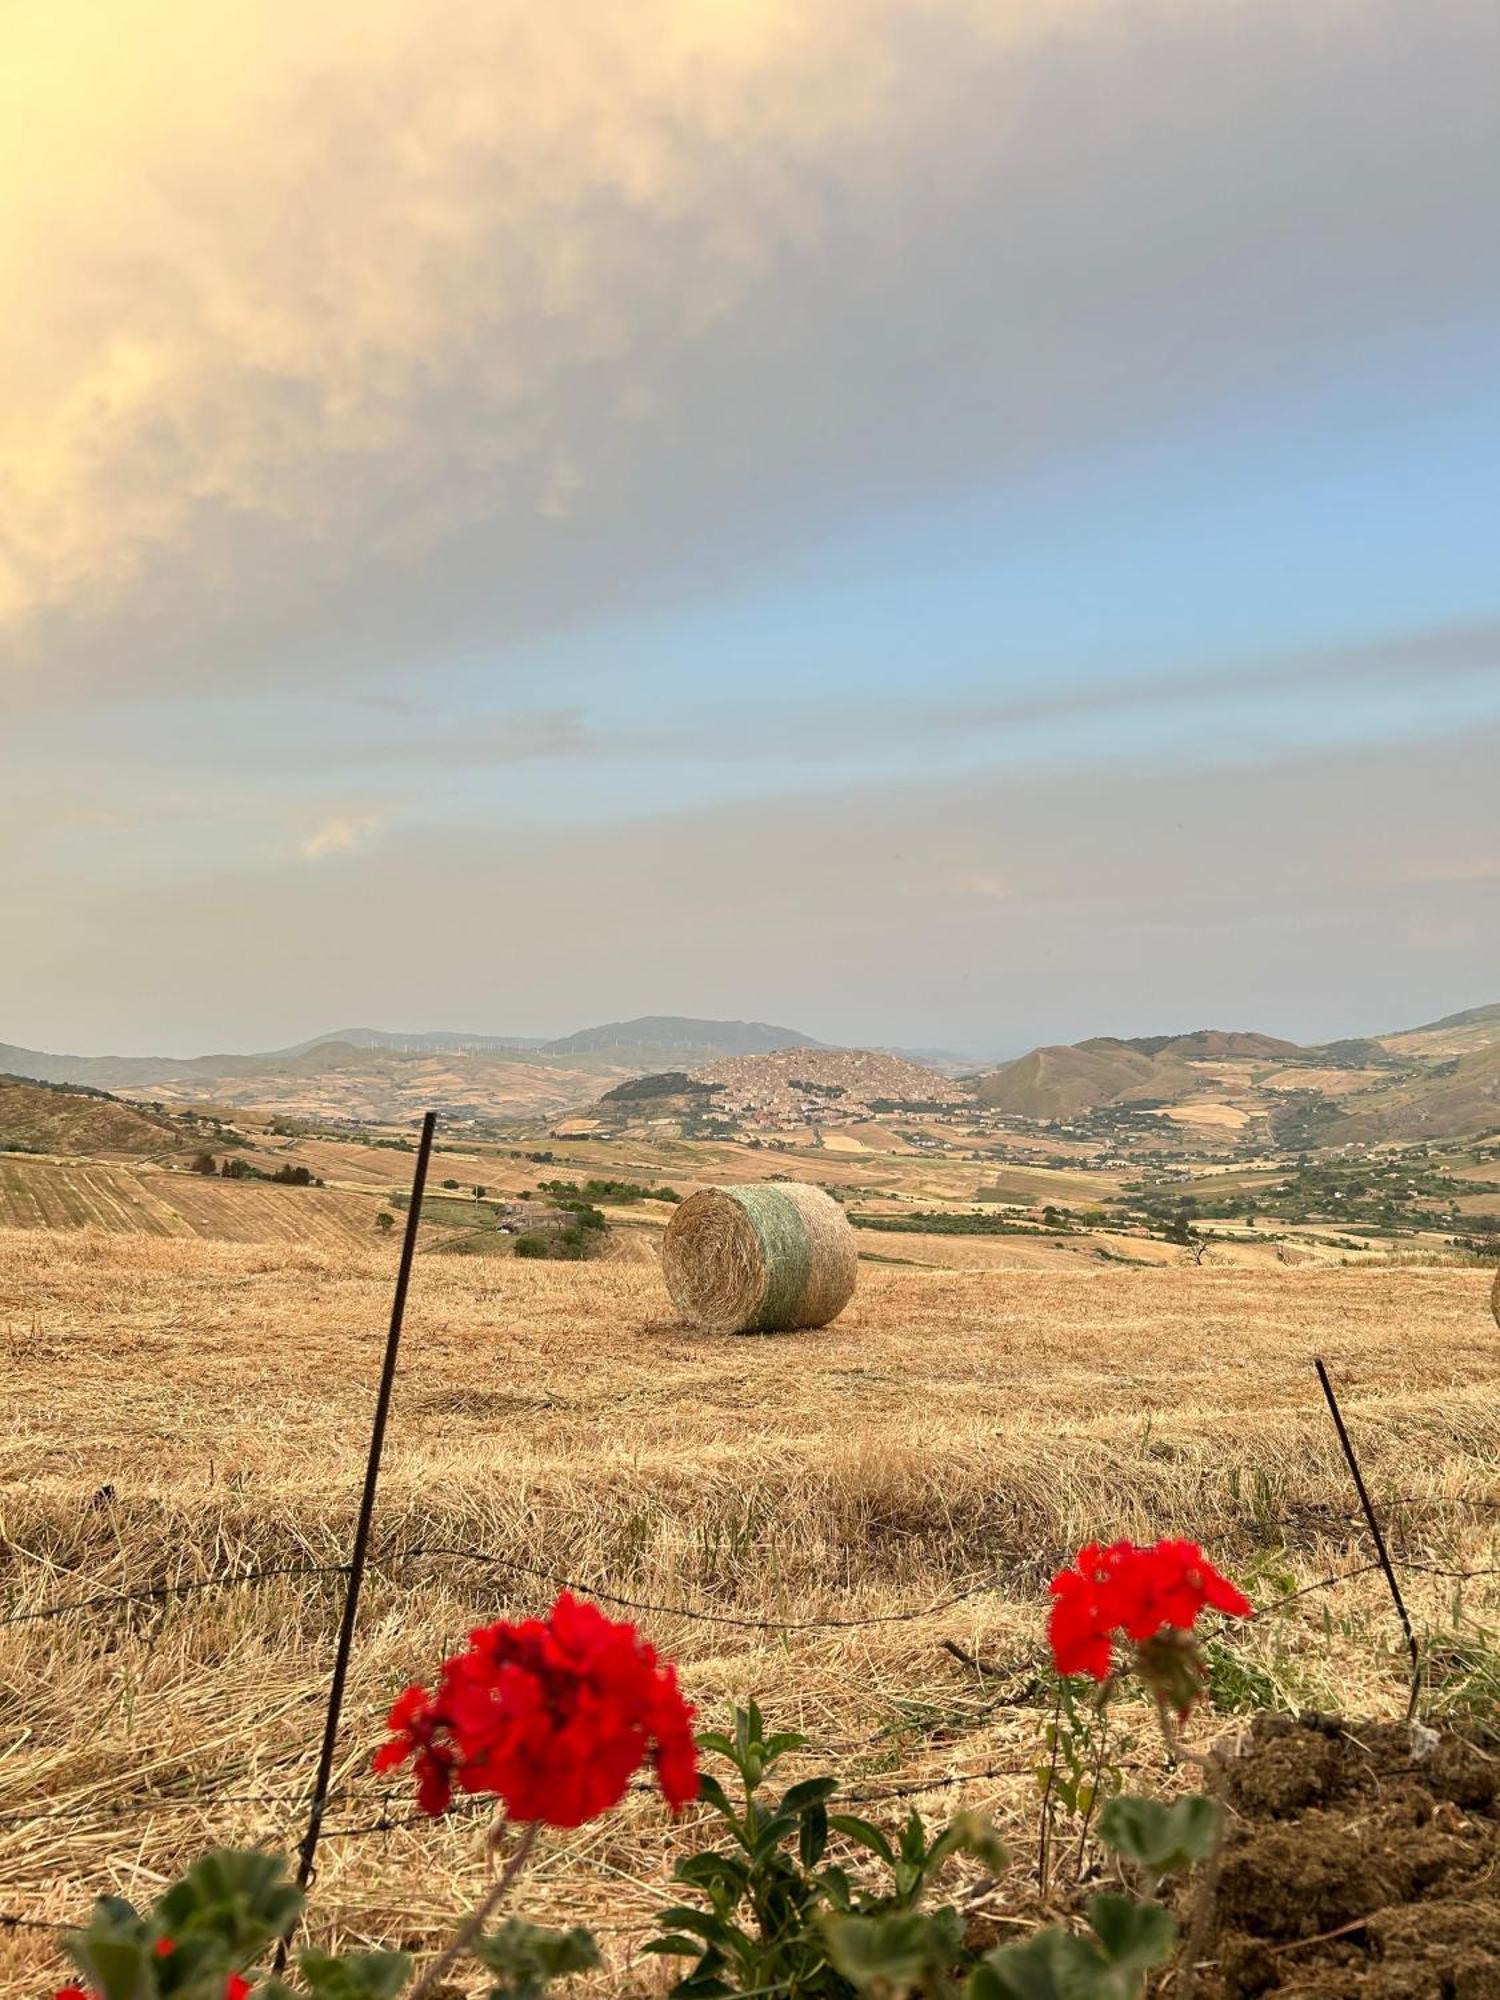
x,y
1353,1867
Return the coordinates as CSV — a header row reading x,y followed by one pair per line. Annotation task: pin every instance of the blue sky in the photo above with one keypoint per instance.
x,y
956,435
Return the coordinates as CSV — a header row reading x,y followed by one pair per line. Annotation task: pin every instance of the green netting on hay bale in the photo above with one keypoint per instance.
x,y
760,1259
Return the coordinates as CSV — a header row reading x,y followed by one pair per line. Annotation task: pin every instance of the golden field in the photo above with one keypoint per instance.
x,y
181,1409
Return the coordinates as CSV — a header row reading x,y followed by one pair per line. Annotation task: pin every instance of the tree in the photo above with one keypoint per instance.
x,y
205,1163
480,1193
385,1222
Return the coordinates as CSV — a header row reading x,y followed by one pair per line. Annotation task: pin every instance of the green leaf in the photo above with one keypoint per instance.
x,y
683,1918
702,1985
784,1741
969,1833
238,1897
811,1792
673,1947
888,1953
1162,1838
711,1870
1134,1936
716,1741
1129,1939
526,1957
1053,1965
852,1827
117,1967
770,1834
712,1793
812,1838
914,1838
356,1975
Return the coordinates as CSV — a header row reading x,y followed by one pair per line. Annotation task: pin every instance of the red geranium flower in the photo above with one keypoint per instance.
x,y
235,1987
1148,1596
553,1716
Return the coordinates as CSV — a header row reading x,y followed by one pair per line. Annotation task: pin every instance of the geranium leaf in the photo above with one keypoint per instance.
x,y
1163,1838
356,1975
1133,1935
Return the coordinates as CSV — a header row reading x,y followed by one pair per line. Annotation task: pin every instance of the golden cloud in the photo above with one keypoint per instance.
x,y
338,269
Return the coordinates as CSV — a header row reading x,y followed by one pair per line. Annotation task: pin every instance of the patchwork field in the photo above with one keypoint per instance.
x,y
45,1194
183,1410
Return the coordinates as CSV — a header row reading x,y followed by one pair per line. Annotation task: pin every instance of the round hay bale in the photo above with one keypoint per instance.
x,y
760,1259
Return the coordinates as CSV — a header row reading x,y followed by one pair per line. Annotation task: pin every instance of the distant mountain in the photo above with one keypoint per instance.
x,y
617,1044
677,1034
107,1072
435,1042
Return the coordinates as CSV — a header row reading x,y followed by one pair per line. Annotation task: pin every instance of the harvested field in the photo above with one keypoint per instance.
x,y
46,1194
186,1409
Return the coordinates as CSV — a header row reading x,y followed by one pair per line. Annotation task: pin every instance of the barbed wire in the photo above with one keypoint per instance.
x,y
468,1552
386,1822
158,1592
465,1553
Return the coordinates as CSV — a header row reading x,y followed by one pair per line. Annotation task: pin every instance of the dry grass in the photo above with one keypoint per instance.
x,y
952,1429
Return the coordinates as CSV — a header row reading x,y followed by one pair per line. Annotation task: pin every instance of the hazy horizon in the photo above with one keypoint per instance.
x,y
952,524
997,1053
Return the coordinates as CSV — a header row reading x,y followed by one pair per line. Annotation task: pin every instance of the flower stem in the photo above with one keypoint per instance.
x,y
1088,1816
1044,1841
474,1923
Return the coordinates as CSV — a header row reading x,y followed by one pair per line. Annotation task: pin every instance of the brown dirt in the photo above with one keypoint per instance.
x,y
1352,1867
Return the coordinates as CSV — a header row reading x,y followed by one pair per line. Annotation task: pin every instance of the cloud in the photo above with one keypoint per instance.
x,y
359,274
989,888
1282,896
813,732
388,322
344,834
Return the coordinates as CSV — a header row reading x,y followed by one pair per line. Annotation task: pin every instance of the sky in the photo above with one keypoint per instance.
x,y
954,523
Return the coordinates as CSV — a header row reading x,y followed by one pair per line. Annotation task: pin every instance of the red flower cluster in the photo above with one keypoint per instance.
x,y
553,1716
1134,1593
235,1987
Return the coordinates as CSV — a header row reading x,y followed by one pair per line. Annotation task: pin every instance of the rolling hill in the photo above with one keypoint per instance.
x,y
1206,1045
50,1118
1062,1081
1454,1099
1437,1082
1455,1034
